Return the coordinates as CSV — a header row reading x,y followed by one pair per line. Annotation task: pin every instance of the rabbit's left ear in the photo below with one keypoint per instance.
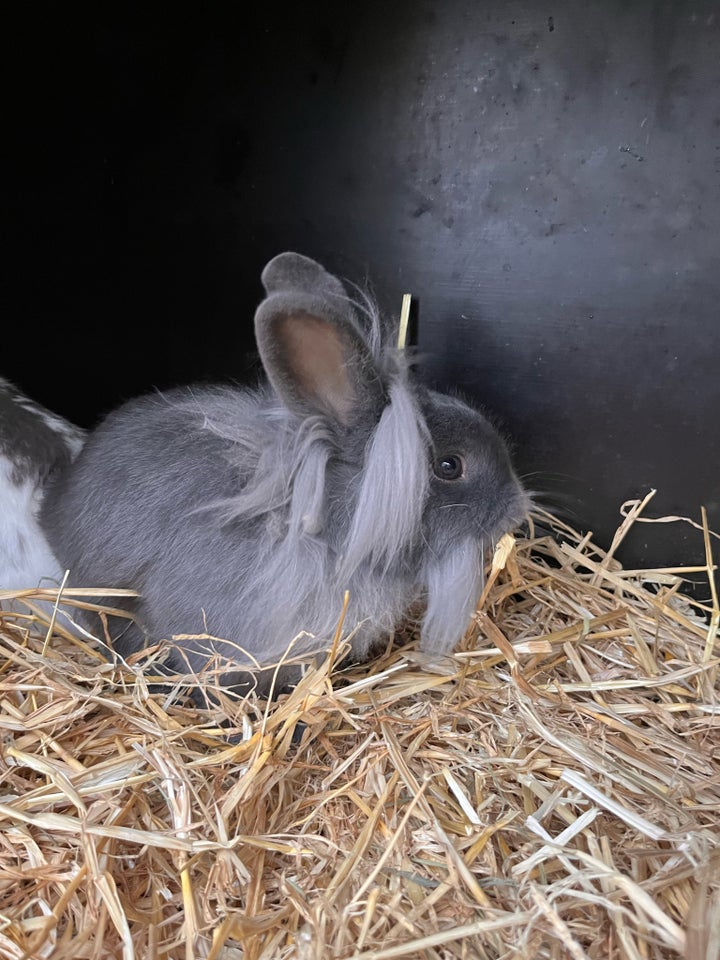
x,y
311,345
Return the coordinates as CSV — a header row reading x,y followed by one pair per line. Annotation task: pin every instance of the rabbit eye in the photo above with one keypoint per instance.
x,y
451,467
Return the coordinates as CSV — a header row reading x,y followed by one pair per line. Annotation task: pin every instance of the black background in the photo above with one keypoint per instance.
x,y
543,178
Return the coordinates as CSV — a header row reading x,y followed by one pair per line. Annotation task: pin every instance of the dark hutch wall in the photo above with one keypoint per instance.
x,y
543,177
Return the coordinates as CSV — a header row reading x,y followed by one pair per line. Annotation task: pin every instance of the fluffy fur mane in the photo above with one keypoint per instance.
x,y
285,460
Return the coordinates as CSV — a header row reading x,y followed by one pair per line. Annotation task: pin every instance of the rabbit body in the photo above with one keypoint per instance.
x,y
34,445
242,516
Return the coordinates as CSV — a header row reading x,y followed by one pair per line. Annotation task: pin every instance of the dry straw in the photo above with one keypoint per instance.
x,y
551,791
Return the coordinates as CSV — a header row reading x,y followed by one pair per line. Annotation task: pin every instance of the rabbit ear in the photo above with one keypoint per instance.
x,y
293,273
310,343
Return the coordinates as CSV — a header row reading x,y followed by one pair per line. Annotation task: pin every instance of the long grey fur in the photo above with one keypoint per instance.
x,y
242,516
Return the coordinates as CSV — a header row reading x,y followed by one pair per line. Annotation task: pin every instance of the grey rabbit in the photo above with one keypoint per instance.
x,y
241,516
34,444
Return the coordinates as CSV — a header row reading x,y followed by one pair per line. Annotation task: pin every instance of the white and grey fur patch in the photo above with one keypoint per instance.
x,y
34,444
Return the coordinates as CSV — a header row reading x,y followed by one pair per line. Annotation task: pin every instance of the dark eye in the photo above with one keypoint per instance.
x,y
451,467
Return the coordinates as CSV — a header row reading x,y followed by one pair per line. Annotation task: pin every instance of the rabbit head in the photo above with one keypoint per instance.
x,y
421,483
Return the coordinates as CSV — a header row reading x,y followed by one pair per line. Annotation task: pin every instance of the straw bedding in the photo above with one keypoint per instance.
x,y
551,791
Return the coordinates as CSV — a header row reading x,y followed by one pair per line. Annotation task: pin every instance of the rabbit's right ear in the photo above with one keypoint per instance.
x,y
311,345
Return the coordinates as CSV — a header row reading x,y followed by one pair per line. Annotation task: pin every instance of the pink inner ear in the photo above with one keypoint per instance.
x,y
315,356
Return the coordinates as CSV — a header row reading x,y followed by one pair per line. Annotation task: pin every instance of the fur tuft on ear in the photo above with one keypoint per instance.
x,y
392,494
